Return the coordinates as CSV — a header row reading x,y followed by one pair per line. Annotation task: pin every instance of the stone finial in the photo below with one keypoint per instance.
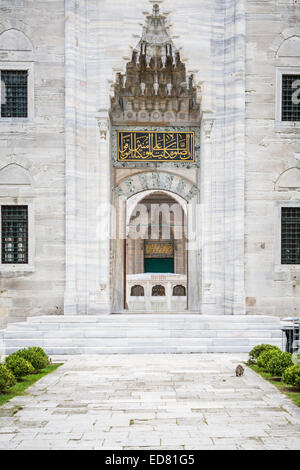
x,y
156,10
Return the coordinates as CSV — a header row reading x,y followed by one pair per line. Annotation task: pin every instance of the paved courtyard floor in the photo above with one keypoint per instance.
x,y
189,401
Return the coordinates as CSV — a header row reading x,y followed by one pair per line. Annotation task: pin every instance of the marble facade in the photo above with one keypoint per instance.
x,y
60,161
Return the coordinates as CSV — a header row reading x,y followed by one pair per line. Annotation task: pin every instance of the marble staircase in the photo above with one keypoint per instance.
x,y
141,333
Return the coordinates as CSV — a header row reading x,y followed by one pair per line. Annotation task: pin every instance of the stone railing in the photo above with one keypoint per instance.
x,y
156,292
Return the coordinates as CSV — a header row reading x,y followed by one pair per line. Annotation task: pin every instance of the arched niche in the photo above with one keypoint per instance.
x,y
289,47
14,40
282,38
15,175
289,180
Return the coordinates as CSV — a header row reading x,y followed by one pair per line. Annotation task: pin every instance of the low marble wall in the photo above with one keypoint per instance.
x,y
154,303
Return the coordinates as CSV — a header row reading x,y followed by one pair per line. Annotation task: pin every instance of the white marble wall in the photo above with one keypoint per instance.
x,y
271,150
225,43
32,151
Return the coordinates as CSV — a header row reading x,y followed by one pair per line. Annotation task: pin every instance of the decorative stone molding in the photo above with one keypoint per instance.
x,y
103,128
156,180
207,126
155,86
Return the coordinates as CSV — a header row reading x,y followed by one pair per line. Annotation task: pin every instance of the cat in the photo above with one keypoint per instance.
x,y
239,371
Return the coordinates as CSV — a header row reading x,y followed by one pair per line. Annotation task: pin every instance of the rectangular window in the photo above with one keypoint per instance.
x,y
14,234
14,93
290,235
290,106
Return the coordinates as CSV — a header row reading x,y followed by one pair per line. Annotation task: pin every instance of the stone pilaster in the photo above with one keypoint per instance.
x,y
228,46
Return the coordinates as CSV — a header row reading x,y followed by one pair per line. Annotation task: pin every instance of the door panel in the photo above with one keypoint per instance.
x,y
159,265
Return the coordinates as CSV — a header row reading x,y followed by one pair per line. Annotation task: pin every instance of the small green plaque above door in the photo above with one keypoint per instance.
x,y
153,146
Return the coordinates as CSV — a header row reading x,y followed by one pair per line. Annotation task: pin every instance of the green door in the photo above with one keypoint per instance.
x,y
159,265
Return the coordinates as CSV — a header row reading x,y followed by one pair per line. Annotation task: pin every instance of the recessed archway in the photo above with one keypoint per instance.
x,y
155,248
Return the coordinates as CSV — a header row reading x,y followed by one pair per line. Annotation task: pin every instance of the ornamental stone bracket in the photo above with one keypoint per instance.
x,y
207,124
158,180
103,123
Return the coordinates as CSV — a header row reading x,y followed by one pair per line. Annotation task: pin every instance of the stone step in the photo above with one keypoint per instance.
x,y
159,333
126,342
74,350
138,333
199,325
160,318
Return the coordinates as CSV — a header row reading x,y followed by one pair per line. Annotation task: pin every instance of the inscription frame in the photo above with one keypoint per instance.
x,y
151,163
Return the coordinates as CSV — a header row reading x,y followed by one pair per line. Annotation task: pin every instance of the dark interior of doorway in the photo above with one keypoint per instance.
x,y
159,265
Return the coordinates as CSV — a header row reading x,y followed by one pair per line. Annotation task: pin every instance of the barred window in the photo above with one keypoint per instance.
x,y
179,291
14,234
158,291
14,91
290,235
137,291
290,110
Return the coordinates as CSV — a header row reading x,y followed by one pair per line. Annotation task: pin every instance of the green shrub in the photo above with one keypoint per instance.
x,y
278,363
19,366
257,350
7,378
36,356
291,375
266,356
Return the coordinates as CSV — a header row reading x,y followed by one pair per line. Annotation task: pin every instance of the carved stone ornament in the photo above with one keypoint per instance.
x,y
103,128
207,127
155,87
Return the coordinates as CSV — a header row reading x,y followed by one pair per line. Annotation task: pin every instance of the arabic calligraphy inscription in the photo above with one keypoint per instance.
x,y
156,146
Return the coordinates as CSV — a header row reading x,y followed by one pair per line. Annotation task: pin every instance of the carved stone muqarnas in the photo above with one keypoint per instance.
x,y
155,87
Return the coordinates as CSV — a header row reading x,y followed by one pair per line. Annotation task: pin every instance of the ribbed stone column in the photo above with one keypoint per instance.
x,y
75,144
88,167
228,48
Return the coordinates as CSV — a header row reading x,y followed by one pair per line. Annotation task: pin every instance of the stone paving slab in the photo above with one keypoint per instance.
x,y
184,402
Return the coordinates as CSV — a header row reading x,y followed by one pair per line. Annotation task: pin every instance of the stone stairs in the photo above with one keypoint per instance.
x,y
141,333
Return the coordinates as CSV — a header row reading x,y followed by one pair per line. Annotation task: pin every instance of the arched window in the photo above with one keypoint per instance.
x,y
158,290
137,291
179,291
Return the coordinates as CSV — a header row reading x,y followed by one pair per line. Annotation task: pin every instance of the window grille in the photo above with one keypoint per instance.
x,y
179,290
158,291
137,291
14,243
14,90
290,110
290,235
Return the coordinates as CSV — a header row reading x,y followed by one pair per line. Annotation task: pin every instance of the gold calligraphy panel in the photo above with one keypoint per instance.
x,y
158,249
152,146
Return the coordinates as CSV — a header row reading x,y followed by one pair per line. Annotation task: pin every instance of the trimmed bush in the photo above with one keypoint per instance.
x,y
19,366
7,378
36,356
266,356
291,375
278,363
257,350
